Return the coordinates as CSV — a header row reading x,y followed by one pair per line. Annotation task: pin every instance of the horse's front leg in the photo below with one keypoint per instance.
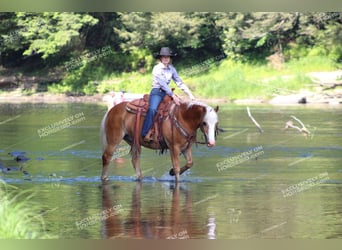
x,y
188,157
136,162
175,163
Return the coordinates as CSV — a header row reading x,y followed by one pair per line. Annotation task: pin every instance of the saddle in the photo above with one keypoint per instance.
x,y
142,104
140,107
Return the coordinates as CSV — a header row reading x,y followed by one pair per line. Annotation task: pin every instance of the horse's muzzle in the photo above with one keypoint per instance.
x,y
211,144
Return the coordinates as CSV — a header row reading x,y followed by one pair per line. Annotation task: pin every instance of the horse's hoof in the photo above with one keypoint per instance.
x,y
139,178
172,173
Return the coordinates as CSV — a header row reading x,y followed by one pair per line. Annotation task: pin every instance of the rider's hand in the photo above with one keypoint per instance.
x,y
176,99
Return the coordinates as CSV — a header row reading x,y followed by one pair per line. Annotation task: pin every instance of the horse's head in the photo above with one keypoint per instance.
x,y
209,125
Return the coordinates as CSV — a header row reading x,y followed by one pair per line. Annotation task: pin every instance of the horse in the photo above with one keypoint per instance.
x,y
179,130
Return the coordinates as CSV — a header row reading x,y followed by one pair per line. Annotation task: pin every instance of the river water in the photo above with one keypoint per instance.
x,y
276,184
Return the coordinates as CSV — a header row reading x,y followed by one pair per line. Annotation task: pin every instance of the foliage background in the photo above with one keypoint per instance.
x,y
231,49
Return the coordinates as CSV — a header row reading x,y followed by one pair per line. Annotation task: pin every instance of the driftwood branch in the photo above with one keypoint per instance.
x,y
303,129
331,85
254,121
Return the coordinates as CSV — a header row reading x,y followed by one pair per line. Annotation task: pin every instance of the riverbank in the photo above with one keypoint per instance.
x,y
304,97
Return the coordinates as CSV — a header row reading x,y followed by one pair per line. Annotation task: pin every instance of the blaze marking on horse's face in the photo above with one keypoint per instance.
x,y
210,121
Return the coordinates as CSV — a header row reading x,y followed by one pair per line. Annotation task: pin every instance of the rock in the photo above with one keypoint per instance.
x,y
289,99
302,100
26,173
21,158
9,169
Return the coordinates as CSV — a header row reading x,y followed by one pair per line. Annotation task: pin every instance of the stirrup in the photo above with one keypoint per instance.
x,y
148,138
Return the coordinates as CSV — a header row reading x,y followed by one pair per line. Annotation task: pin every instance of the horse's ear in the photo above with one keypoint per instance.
x,y
216,108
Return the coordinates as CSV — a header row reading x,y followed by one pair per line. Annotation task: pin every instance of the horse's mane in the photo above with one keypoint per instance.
x,y
190,104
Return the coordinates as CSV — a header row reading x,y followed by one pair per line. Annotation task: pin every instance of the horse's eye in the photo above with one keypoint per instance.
x,y
204,124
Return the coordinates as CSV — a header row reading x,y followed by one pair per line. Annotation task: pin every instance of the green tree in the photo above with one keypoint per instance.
x,y
257,34
47,34
185,33
319,34
253,36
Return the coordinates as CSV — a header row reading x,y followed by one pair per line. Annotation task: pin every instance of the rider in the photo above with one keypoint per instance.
x,y
162,74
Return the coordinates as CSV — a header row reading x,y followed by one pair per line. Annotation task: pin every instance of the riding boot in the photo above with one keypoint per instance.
x,y
148,138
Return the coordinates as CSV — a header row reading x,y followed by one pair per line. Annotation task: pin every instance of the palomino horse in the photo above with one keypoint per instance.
x,y
178,132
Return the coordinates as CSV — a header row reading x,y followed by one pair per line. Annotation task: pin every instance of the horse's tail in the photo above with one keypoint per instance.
x,y
103,132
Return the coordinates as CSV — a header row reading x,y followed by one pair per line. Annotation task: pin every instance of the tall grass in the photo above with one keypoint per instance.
x,y
215,79
236,80
19,216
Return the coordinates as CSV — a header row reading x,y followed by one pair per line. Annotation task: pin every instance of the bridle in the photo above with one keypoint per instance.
x,y
189,137
175,123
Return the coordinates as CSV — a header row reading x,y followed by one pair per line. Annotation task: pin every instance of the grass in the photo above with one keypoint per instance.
x,y
236,80
231,79
216,78
19,217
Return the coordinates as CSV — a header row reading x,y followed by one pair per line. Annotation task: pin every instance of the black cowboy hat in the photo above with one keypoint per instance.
x,y
164,51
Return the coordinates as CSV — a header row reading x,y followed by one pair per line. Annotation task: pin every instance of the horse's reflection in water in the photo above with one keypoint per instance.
x,y
160,223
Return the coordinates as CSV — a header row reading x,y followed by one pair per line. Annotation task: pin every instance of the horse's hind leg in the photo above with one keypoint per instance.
x,y
136,162
106,158
108,154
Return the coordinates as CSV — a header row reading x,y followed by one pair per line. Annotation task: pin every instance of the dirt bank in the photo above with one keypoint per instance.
x,y
327,90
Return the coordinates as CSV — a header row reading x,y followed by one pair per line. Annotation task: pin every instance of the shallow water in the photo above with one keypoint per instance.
x,y
278,184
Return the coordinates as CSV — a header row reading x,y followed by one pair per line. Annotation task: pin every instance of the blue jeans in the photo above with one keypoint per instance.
x,y
156,97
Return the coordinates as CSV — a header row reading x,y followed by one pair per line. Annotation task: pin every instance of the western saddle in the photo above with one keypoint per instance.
x,y
140,107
